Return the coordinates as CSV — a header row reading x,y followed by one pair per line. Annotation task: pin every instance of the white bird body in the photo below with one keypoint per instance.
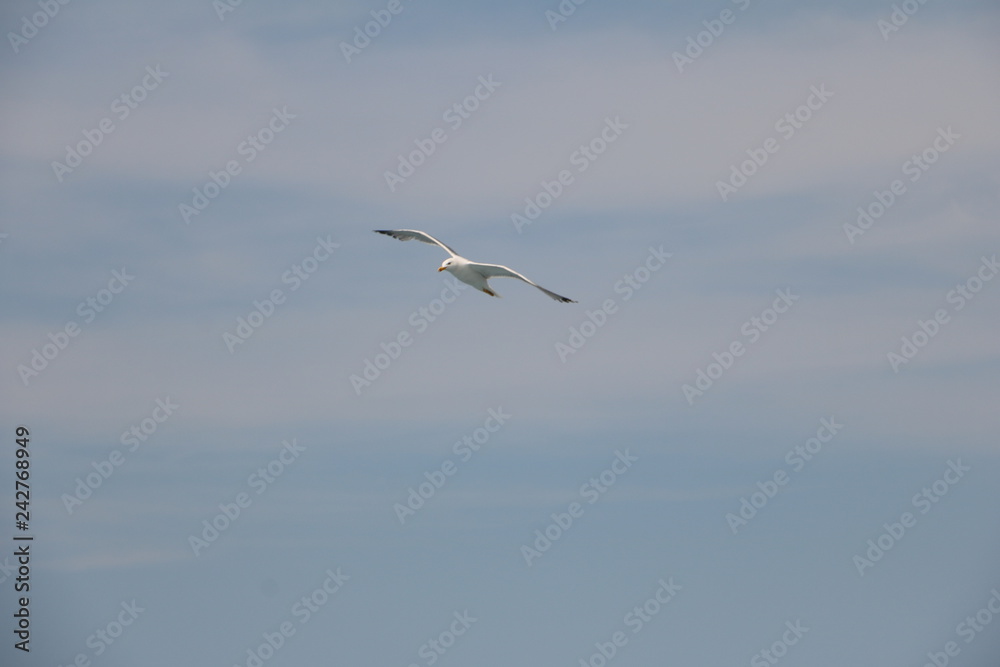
x,y
471,273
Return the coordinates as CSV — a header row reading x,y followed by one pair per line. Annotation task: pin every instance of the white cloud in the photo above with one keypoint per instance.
x,y
685,130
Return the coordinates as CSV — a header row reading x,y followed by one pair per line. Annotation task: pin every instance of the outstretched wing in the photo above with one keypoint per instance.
x,y
414,235
497,271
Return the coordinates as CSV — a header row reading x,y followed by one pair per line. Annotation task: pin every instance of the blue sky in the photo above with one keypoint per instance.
x,y
833,379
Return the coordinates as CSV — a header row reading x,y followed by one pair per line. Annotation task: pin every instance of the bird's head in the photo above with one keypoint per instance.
x,y
447,264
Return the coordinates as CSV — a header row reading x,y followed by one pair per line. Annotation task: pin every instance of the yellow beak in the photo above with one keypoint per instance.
x,y
440,268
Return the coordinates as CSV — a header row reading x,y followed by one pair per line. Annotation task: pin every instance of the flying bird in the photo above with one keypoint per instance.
x,y
471,273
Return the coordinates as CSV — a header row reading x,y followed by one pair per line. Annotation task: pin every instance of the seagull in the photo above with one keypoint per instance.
x,y
471,273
